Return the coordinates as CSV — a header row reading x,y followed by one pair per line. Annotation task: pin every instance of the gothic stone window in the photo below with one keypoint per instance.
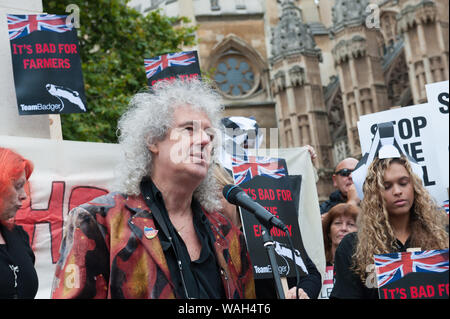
x,y
237,69
235,75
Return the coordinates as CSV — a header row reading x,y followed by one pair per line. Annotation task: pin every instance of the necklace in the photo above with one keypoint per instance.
x,y
183,221
179,229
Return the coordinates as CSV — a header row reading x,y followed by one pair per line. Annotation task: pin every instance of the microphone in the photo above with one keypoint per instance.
x,y
236,196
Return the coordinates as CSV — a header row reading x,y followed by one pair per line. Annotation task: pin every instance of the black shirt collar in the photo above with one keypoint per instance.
x,y
403,247
199,278
153,196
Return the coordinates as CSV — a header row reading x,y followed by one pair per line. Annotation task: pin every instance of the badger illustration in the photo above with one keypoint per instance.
x,y
283,251
61,92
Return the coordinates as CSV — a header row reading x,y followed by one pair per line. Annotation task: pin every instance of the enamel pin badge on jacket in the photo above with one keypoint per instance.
x,y
150,232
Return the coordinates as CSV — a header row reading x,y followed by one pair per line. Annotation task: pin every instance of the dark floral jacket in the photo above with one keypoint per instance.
x,y
105,254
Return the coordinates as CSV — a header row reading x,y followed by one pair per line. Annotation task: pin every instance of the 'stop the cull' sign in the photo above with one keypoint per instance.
x,y
46,65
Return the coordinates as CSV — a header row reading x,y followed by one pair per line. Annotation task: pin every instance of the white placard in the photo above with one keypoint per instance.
x,y
438,101
414,126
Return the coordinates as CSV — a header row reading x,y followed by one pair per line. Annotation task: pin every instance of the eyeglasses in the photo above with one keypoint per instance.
x,y
344,172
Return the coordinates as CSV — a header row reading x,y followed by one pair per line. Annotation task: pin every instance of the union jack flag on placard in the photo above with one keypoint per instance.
x,y
391,267
22,25
251,166
156,65
445,206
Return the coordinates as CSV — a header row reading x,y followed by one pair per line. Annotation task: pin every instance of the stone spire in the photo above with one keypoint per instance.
x,y
358,64
297,89
346,13
291,36
426,57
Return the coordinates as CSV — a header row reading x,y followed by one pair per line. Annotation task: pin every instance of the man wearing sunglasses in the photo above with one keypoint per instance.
x,y
342,180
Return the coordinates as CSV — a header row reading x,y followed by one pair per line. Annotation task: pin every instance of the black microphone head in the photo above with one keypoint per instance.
x,y
230,191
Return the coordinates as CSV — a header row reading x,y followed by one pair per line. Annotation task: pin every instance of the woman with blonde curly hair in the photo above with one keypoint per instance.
x,y
397,213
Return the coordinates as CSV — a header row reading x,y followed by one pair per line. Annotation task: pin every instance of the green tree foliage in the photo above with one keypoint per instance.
x,y
114,39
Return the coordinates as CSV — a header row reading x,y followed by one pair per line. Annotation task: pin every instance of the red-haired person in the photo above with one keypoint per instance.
x,y
18,278
338,222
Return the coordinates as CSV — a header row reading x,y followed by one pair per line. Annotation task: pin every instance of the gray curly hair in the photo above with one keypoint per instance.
x,y
148,120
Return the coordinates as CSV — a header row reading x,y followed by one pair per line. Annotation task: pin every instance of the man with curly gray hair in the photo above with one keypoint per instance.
x,y
159,235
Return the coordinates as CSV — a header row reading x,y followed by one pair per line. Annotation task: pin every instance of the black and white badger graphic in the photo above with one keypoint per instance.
x,y
285,252
385,144
238,135
68,94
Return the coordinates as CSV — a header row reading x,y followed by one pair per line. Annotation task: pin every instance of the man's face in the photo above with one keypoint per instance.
x,y
342,180
186,149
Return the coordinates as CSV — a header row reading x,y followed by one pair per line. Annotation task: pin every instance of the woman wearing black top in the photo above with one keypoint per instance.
x,y
396,213
18,278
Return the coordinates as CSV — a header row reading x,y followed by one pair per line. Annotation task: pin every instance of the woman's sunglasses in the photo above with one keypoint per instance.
x,y
344,172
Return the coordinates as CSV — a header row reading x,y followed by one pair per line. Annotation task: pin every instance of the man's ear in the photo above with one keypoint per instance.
x,y
334,180
153,148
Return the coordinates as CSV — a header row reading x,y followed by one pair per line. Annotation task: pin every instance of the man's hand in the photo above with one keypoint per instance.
x,y
352,196
301,294
312,152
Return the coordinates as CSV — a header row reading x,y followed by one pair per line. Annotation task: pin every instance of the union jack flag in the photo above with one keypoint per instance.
x,y
245,170
445,206
22,25
391,267
155,65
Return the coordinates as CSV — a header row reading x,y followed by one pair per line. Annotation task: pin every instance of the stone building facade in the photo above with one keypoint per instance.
x,y
311,68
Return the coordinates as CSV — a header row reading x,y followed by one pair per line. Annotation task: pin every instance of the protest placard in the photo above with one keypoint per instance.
x,y
267,182
327,283
414,127
167,67
46,65
438,101
66,174
413,275
298,160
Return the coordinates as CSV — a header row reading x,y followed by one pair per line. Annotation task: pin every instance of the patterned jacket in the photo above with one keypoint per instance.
x,y
104,254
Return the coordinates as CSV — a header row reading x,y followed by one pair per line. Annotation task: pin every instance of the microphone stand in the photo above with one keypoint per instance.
x,y
269,245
